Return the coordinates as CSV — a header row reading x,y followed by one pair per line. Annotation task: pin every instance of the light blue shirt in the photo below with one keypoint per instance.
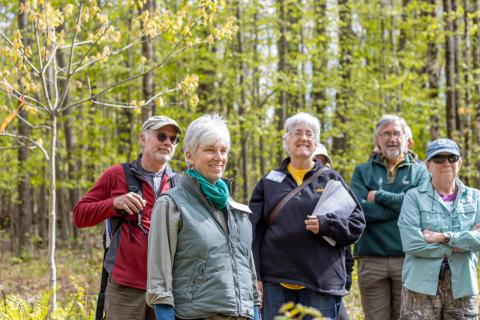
x,y
424,209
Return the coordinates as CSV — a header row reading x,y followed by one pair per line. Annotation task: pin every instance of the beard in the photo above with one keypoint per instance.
x,y
392,154
163,157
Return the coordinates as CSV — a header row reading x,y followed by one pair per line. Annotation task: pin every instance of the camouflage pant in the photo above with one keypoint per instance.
x,y
417,306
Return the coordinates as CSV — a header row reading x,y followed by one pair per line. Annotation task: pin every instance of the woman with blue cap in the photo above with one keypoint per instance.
x,y
440,231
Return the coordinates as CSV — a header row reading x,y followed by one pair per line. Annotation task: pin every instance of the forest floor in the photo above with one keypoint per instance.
x,y
79,267
28,276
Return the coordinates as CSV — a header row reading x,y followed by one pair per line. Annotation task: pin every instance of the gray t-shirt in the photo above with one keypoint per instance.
x,y
153,178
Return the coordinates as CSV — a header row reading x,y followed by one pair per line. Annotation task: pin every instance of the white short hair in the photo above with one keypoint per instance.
x,y
208,129
298,119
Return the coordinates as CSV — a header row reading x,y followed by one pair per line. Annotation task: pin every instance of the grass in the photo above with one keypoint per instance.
x,y
28,276
25,281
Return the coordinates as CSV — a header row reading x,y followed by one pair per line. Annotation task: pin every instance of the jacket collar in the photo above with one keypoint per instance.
x,y
407,160
136,166
428,187
284,165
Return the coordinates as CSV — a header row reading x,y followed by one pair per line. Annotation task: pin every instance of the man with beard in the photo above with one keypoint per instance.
x,y
112,198
380,185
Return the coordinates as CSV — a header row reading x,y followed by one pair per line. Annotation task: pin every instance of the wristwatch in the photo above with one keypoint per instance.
x,y
446,239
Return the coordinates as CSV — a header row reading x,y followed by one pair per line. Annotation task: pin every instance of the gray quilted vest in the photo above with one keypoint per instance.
x,y
211,269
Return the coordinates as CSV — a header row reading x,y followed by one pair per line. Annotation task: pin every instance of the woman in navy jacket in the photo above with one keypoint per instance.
x,y
293,260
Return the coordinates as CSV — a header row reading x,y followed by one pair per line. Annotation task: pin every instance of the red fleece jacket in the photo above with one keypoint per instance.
x,y
130,268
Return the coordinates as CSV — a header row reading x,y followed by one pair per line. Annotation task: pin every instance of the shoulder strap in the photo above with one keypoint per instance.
x,y
273,215
134,184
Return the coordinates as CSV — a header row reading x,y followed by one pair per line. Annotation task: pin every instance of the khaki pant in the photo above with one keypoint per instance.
x,y
126,303
380,284
417,306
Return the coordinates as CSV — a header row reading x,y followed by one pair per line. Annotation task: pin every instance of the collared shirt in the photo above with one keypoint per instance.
x,y
424,209
392,170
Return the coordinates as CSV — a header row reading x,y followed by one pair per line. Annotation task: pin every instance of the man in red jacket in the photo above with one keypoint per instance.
x,y
110,199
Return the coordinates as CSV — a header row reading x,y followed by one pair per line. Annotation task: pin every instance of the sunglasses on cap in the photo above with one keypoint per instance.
x,y
452,158
162,137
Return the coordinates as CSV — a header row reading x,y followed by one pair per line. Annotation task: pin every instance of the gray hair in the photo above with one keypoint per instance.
x,y
408,133
298,119
389,119
208,129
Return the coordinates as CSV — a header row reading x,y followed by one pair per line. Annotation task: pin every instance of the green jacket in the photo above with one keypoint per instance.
x,y
423,209
381,236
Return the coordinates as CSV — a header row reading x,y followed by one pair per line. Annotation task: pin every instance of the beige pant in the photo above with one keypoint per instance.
x,y
417,306
126,303
380,284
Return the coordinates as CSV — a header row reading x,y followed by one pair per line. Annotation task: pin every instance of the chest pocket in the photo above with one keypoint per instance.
x,y
467,215
429,219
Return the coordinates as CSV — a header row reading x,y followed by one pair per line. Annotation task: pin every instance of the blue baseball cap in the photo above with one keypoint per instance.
x,y
442,145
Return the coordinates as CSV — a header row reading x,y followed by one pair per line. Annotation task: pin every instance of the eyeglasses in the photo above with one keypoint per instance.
x,y
390,134
308,134
452,158
162,137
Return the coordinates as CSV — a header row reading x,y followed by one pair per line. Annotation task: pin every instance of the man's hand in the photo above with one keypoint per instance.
x,y
312,224
130,202
433,237
371,196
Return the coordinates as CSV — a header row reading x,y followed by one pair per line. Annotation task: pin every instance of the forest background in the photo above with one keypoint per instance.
x,y
77,79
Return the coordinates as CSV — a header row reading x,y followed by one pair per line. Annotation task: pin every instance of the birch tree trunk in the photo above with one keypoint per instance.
x,y
52,221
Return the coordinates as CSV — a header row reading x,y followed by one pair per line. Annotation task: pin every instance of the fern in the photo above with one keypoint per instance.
x,y
75,306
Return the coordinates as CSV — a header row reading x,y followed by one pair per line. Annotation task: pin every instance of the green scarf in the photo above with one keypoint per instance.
x,y
217,193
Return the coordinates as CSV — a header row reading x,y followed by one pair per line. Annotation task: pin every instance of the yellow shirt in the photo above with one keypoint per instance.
x,y
298,175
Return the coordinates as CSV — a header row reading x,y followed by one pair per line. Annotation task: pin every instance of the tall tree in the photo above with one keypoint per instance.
x,y
432,67
345,90
148,53
450,91
475,8
24,220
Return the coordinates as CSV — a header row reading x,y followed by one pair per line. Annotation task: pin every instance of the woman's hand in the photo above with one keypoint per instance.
x,y
433,237
312,224
260,290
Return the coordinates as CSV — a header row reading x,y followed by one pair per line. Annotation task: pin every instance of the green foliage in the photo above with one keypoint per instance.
x,y
77,306
291,310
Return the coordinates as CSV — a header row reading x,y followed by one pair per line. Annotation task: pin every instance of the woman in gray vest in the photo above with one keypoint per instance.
x,y
200,263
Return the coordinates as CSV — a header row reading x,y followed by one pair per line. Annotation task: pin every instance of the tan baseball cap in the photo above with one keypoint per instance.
x,y
157,122
321,150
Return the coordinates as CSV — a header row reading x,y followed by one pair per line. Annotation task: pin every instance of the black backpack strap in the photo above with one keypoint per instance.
x,y
101,295
134,185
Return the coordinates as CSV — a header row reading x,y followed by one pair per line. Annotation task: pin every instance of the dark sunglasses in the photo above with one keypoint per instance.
x,y
441,158
162,137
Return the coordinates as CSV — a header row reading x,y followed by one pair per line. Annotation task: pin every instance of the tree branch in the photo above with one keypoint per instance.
x,y
118,83
70,58
36,144
17,94
23,53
